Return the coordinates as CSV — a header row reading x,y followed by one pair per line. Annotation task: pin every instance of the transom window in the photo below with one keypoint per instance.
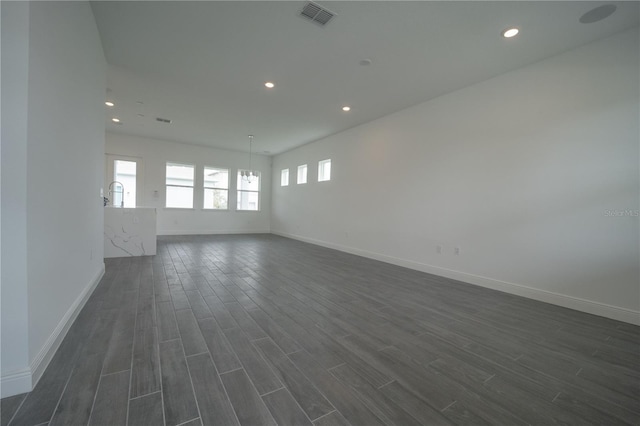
x,y
324,170
284,177
302,174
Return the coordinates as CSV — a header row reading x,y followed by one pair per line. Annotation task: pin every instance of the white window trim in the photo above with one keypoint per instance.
x,y
259,191
109,170
204,187
306,174
193,187
320,164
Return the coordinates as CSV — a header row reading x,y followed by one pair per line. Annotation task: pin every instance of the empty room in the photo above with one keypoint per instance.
x,y
320,213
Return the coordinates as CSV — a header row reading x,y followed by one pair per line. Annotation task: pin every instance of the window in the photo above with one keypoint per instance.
x,y
284,177
216,188
324,170
123,181
302,174
124,172
248,190
180,185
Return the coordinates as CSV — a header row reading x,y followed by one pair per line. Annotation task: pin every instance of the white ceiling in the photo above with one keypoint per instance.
x,y
204,64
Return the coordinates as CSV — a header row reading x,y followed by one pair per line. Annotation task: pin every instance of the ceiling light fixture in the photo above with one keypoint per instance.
x,y
346,108
510,32
115,120
109,104
248,175
598,14
269,85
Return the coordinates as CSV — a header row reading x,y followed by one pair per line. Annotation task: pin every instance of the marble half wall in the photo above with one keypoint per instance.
x,y
129,232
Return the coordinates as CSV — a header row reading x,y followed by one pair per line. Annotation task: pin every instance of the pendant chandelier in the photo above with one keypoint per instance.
x,y
248,175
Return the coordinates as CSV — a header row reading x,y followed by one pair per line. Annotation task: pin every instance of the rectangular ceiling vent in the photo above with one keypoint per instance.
x,y
163,120
316,13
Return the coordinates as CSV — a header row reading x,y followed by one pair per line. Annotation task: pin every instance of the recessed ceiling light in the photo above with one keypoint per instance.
x,y
598,14
109,104
346,108
510,32
115,120
269,85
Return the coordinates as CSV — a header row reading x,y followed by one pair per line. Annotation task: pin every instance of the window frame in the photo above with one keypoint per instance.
x,y
239,191
215,188
110,176
166,185
125,201
282,173
321,177
306,174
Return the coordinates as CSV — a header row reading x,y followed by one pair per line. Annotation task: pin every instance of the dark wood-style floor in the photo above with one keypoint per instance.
x,y
263,330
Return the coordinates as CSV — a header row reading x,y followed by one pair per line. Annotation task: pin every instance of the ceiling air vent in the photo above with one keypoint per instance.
x,y
316,13
163,120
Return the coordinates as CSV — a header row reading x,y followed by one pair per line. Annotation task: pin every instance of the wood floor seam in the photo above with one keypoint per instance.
x,y
147,394
94,397
188,421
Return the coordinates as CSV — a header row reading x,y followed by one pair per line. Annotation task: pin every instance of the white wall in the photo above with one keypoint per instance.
x,y
518,172
60,166
156,153
14,363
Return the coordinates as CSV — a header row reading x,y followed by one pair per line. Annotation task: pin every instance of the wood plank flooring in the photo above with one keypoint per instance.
x,y
263,330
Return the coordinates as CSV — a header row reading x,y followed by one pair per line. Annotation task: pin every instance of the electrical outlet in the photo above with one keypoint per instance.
x,y
456,251
439,249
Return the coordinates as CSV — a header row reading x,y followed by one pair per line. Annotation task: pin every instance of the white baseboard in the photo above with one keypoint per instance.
x,y
15,383
214,232
578,304
42,359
